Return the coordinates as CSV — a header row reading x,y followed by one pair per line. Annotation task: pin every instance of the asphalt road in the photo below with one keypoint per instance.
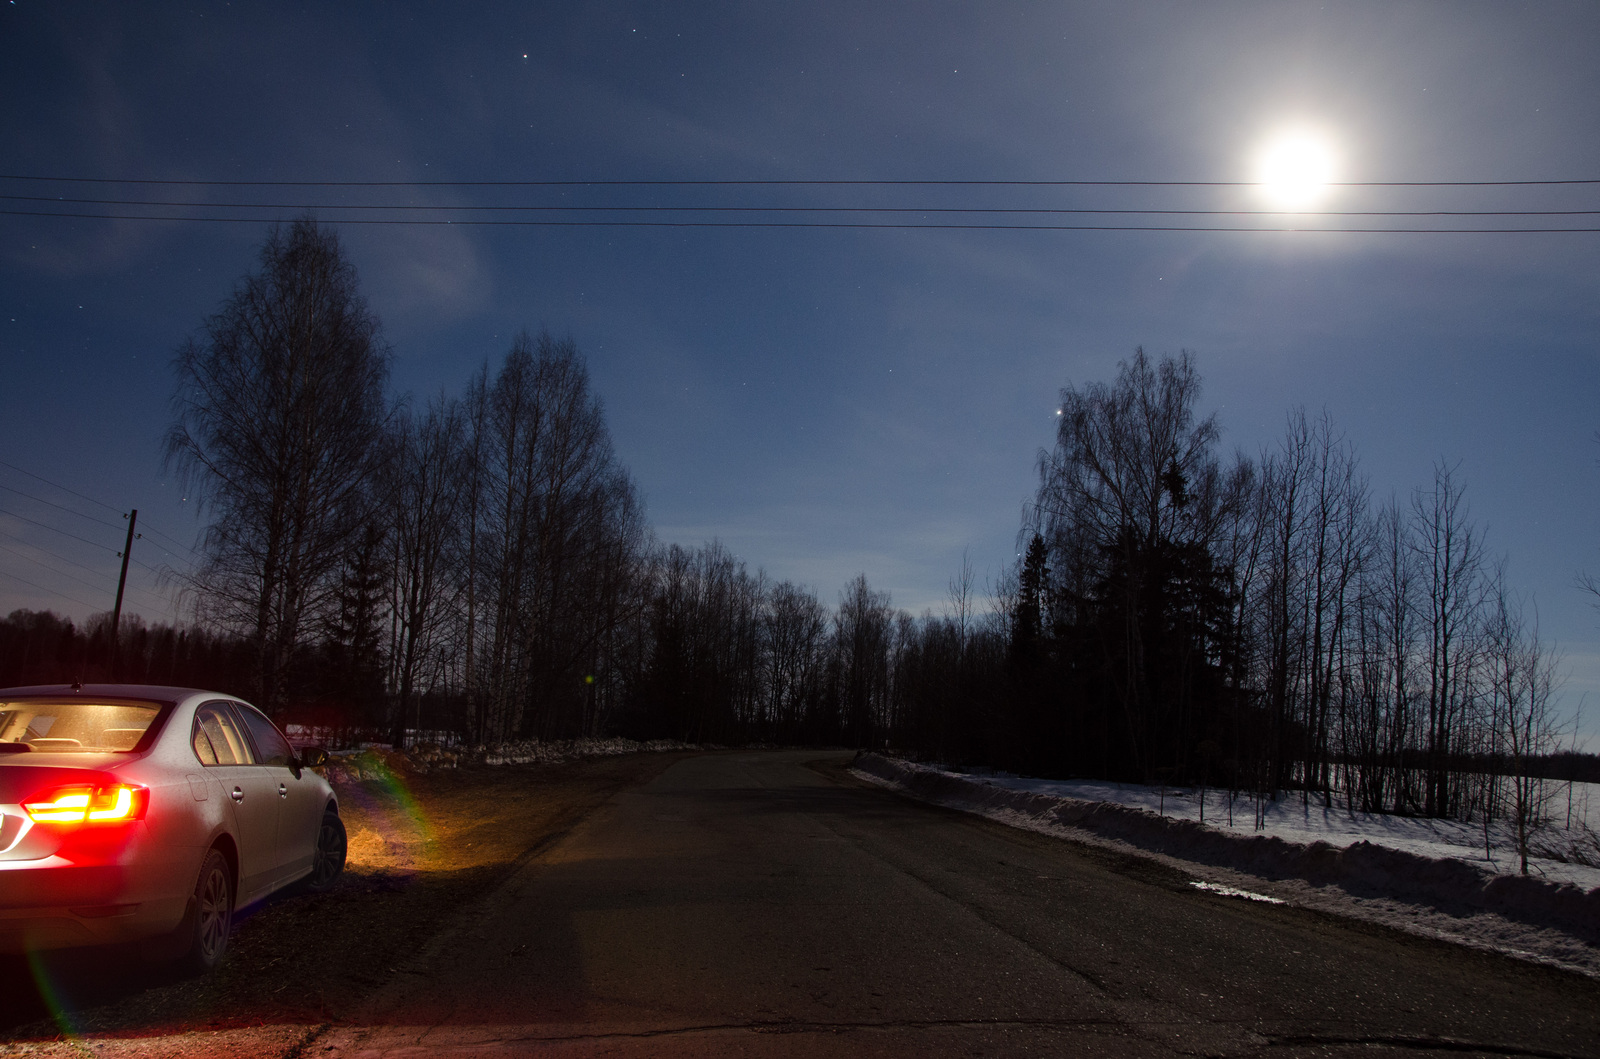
x,y
768,905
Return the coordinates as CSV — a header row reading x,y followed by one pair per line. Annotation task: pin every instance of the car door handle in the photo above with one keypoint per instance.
x,y
238,795
283,792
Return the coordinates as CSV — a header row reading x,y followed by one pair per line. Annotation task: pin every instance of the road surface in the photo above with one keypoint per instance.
x,y
767,904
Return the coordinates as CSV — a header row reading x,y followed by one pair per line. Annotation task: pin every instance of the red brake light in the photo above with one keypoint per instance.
x,y
111,804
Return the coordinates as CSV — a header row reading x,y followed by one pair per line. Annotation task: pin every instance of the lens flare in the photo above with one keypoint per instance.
x,y
61,1012
390,783
389,829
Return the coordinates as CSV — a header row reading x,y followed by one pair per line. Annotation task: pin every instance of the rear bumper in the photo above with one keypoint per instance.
x,y
38,929
54,903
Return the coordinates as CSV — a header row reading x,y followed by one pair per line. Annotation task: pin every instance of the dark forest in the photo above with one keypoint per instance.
x,y
480,568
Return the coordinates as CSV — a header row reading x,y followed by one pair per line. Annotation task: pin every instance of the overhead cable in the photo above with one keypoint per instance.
x,y
53,570
983,210
50,591
54,555
779,183
151,593
64,489
53,529
74,536
470,222
173,541
56,485
58,507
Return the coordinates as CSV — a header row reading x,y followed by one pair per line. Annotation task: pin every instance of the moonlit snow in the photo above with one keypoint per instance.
x,y
1427,877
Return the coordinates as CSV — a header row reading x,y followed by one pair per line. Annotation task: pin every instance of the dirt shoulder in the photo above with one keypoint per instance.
x,y
421,847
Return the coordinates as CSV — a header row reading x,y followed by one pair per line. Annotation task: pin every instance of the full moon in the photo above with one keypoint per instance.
x,y
1294,170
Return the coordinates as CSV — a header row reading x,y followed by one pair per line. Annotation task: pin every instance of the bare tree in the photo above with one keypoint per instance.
x,y
1116,447
1314,508
1131,481
1285,496
560,521
1449,551
1522,681
425,492
961,601
1388,629
475,424
796,628
703,677
1588,581
279,419
862,630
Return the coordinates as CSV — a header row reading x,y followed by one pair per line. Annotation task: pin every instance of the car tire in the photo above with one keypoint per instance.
x,y
327,860
205,930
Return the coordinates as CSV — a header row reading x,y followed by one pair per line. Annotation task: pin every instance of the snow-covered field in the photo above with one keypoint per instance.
x,y
1426,877
1295,820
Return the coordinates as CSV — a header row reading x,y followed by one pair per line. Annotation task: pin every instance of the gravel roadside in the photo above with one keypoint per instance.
x,y
422,845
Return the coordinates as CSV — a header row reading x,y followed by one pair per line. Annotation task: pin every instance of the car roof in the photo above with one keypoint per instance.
x,y
150,692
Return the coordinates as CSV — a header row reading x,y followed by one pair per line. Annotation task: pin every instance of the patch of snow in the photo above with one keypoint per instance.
x,y
1234,891
1305,820
1424,877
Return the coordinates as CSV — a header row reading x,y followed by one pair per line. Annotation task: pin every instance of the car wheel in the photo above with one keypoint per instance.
x,y
328,859
211,920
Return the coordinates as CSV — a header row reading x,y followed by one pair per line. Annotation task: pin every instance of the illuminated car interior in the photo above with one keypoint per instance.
x,y
74,727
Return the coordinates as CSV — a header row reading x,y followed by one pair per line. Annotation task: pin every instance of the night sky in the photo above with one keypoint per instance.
x,y
824,400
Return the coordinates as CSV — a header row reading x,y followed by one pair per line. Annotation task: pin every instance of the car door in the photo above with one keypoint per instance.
x,y
223,748
300,797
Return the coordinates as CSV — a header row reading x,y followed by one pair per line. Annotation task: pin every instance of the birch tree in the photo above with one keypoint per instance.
x,y
427,476
278,430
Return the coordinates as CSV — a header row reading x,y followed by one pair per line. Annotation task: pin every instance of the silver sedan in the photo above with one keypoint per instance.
x,y
130,812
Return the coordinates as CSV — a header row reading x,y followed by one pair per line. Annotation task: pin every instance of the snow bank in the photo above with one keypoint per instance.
x,y
1307,821
1367,867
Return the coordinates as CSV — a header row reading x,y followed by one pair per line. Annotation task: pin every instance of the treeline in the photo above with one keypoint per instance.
x,y
481,554
481,562
1260,623
40,647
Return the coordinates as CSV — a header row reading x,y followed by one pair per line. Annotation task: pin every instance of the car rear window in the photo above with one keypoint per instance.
x,y
75,726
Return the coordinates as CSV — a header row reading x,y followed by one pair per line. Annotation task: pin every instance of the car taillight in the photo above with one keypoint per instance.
x,y
111,804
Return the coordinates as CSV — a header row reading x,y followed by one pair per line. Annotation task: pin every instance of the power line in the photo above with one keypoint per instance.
x,y
53,570
158,545
75,537
782,183
63,488
983,210
54,555
50,591
58,507
53,529
468,222
176,544
151,593
55,485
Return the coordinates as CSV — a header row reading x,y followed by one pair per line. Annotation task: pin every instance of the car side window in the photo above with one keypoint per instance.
x,y
202,746
272,748
217,739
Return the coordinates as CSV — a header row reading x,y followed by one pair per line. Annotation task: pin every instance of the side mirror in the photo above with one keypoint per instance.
x,y
312,756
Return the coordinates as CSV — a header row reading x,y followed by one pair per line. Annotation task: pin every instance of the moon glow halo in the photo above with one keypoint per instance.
x,y
1294,170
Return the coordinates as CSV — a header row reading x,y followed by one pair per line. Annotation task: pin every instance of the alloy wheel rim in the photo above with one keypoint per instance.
x,y
213,912
328,854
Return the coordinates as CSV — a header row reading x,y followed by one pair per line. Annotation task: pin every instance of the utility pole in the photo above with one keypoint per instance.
x,y
122,581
